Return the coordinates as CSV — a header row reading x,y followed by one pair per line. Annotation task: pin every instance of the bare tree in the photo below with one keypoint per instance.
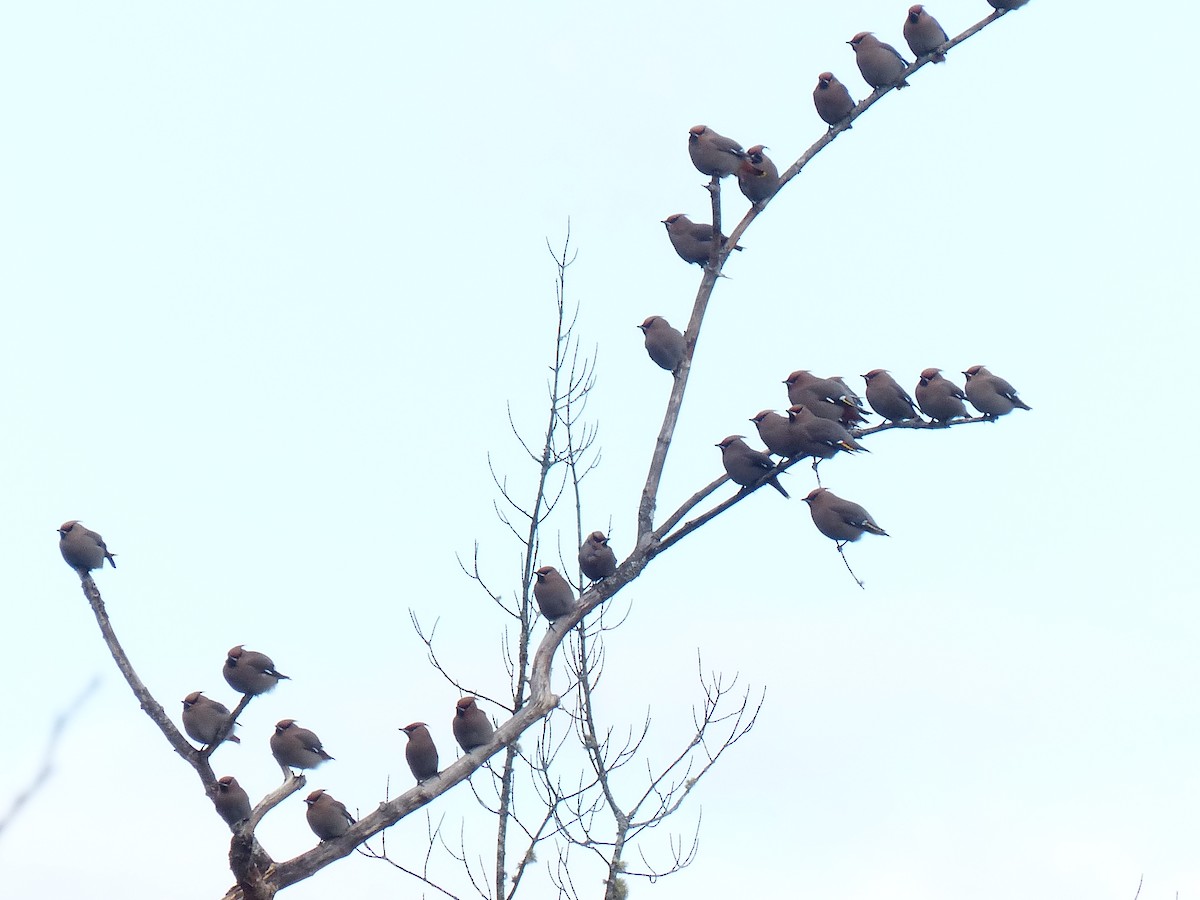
x,y
586,811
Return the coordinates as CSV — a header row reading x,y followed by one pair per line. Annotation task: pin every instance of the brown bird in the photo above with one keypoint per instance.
x,y
296,747
472,728
757,175
1007,4
420,752
231,800
820,438
940,398
840,520
881,64
776,432
832,100
693,241
924,34
204,718
250,672
887,398
554,595
596,558
745,465
712,153
328,818
665,344
82,548
991,394
828,398
856,410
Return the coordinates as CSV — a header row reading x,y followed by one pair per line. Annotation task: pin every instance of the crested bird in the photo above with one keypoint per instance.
x,y
471,726
664,343
82,548
840,520
296,747
881,64
745,465
420,752
596,558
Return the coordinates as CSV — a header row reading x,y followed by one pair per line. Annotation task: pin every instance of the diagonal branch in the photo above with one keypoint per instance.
x,y
712,271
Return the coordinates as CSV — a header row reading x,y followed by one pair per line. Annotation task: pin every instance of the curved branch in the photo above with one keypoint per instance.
x,y
712,272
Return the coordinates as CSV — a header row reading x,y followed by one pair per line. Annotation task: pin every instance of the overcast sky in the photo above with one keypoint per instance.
x,y
275,273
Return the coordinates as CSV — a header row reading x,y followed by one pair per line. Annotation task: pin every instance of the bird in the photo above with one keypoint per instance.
x,y
471,726
776,432
745,465
328,818
204,718
757,175
82,548
991,394
939,397
693,241
856,410
596,558
554,595
296,747
820,438
881,64
840,520
828,398
420,752
1007,5
250,672
887,398
231,800
713,154
924,34
665,344
832,100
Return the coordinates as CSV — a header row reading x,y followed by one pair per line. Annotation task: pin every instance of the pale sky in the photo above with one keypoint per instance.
x,y
275,272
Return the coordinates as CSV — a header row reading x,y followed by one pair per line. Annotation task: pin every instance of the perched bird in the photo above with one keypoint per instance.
x,y
203,718
924,34
554,595
472,728
745,465
776,432
296,747
82,548
231,800
596,558
881,64
420,752
856,409
991,394
757,175
250,672
712,153
1007,4
887,398
665,344
832,100
693,241
828,398
940,398
839,520
328,818
820,438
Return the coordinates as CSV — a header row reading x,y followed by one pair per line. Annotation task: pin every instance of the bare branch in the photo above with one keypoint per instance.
x,y
46,769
